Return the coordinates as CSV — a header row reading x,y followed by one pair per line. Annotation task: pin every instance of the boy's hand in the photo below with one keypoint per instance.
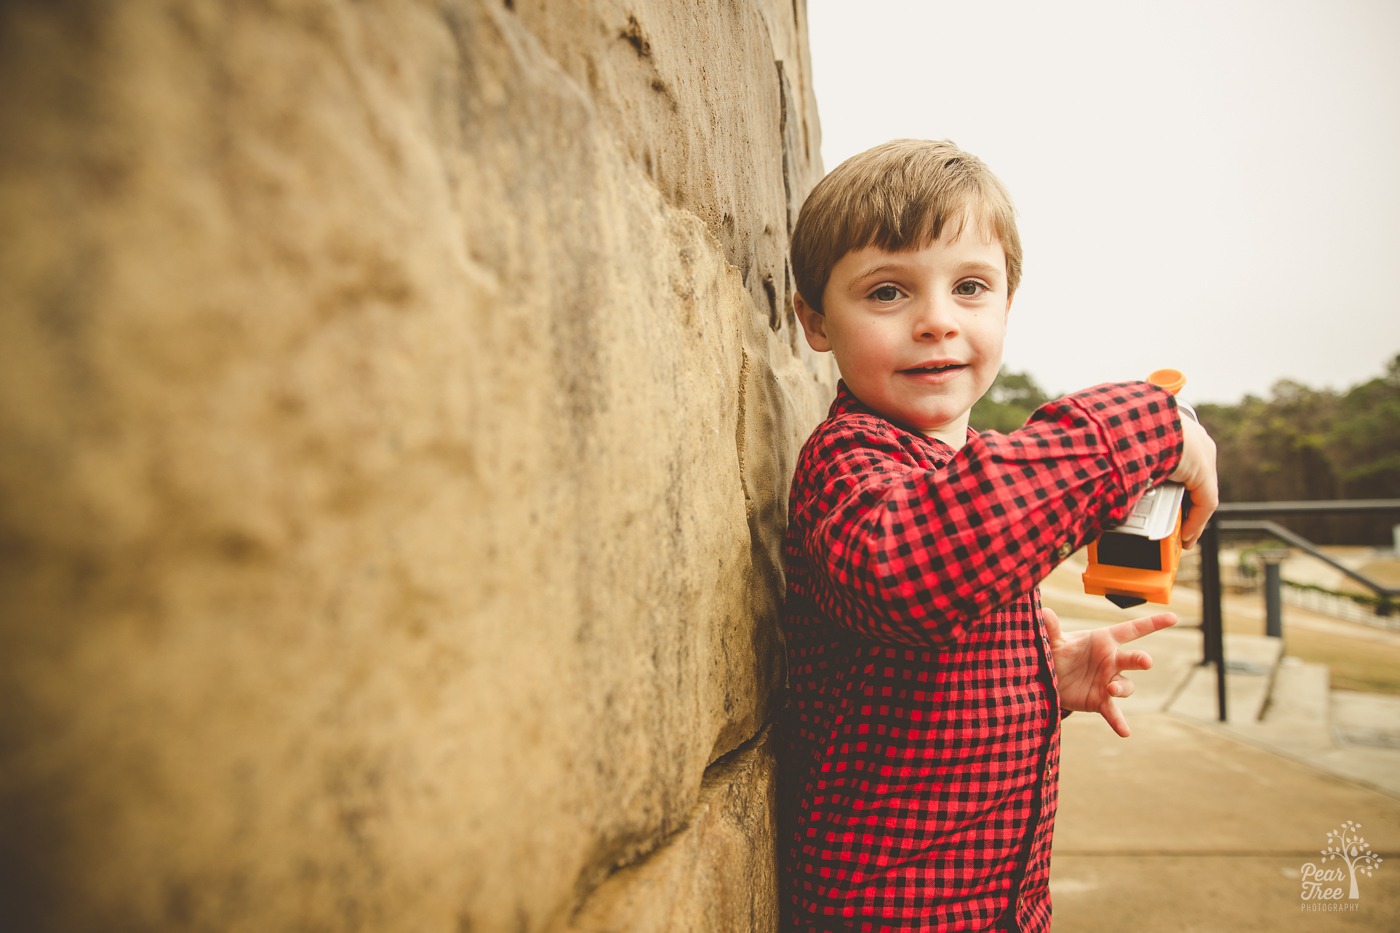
x,y
1090,664
1196,472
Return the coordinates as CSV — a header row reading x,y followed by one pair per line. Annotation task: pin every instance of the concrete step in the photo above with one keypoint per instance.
x,y
1301,696
1367,720
1250,664
1296,720
1291,710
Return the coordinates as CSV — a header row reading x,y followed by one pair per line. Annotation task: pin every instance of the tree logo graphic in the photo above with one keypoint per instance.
x,y
1325,882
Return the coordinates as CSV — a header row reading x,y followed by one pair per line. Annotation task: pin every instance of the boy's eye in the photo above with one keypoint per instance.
x,y
885,293
969,289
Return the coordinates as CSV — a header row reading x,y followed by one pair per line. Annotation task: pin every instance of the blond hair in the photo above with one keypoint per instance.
x,y
899,196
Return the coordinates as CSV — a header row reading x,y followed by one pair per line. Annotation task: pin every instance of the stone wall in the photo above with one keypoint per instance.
x,y
398,405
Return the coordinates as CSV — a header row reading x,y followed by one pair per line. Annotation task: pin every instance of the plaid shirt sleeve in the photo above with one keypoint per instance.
x,y
913,555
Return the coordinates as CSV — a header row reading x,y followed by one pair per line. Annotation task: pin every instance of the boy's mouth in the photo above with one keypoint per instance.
x,y
934,368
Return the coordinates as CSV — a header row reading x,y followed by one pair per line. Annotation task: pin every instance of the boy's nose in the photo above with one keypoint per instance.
x,y
935,321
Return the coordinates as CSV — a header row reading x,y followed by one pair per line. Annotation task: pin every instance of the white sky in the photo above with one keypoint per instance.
x,y
1209,186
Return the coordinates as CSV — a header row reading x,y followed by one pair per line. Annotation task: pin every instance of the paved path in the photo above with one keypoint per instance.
x,y
1195,825
1184,828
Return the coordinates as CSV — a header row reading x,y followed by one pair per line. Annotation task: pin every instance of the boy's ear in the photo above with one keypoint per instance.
x,y
813,324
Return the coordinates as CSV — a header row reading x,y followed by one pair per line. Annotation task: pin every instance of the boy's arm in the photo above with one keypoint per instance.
x,y
915,556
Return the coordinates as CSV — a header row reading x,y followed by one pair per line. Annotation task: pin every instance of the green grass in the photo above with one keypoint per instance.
x,y
1355,663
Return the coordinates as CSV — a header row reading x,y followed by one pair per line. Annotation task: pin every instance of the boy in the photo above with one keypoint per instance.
x,y
919,753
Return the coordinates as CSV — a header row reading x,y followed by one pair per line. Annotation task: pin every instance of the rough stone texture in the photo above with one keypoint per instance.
x,y
718,874
399,401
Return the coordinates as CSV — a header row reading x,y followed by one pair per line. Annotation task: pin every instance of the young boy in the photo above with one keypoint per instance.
x,y
919,753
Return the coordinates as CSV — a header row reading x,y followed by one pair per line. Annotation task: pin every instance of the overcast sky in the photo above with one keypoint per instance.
x,y
1210,186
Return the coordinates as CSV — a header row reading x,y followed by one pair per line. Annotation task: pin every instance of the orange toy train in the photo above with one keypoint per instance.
x,y
1136,562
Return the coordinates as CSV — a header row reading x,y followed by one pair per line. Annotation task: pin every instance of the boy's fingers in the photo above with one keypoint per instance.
x,y
1134,661
1191,528
1124,632
1115,718
1197,471
1204,500
1053,631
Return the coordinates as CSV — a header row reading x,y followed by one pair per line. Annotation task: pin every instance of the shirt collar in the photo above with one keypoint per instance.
x,y
846,403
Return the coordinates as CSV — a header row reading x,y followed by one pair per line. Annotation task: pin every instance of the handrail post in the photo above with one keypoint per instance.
x,y
1212,628
1273,592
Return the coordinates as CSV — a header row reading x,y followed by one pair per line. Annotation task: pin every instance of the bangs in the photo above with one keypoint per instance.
x,y
921,224
902,196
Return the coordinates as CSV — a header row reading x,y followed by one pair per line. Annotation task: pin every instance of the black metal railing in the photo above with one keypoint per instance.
x,y
1232,517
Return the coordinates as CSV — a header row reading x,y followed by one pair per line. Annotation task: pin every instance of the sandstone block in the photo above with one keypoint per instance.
x,y
397,434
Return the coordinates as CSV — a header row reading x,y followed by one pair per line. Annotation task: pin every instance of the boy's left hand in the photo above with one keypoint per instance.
x,y
1090,664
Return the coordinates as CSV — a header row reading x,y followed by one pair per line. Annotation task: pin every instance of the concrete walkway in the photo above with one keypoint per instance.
x,y
1196,825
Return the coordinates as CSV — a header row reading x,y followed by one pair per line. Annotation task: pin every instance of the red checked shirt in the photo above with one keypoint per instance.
x,y
920,745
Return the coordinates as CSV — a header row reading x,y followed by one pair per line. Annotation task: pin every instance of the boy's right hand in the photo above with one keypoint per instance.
x,y
1196,472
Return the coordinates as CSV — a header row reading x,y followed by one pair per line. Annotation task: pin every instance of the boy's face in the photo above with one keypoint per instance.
x,y
917,335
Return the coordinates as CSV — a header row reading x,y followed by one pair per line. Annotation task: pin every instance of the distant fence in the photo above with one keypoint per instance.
x,y
1354,607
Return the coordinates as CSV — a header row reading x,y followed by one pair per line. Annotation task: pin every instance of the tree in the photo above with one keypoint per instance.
x,y
1008,403
1364,438
1302,443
